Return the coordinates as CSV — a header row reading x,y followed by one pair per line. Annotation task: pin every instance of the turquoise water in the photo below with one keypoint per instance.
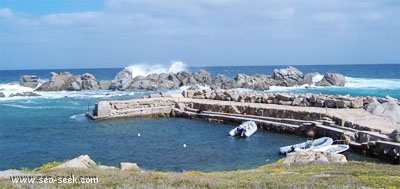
x,y
52,127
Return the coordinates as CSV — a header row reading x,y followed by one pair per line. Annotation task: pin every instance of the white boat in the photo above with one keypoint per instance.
x,y
334,148
246,129
309,144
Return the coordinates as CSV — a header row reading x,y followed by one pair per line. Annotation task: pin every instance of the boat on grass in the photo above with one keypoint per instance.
x,y
246,129
309,144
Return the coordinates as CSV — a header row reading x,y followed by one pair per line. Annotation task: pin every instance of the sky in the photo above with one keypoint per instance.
x,y
49,34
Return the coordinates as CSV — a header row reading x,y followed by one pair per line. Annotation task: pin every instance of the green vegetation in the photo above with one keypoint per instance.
x,y
47,166
276,175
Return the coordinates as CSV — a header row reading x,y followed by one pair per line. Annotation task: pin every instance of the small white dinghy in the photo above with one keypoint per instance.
x,y
334,148
309,144
246,129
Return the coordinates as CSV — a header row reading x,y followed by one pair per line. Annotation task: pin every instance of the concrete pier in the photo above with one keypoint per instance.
x,y
364,132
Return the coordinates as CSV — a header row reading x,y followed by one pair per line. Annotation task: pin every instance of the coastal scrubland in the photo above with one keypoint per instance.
x,y
276,175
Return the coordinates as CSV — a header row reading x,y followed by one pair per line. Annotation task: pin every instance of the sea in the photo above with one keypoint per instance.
x,y
53,127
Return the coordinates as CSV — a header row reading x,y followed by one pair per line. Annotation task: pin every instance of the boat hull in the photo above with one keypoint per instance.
x,y
310,144
334,148
246,129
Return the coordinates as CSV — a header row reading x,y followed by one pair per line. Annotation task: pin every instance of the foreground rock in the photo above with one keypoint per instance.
x,y
81,162
127,166
85,162
312,157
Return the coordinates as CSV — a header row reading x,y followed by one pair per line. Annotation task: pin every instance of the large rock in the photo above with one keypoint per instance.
x,y
202,77
81,162
67,81
258,82
76,84
122,80
220,82
104,85
332,79
388,109
392,109
58,82
28,81
89,82
289,76
2,95
312,157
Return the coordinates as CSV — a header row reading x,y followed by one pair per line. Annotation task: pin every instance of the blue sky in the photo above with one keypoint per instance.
x,y
49,34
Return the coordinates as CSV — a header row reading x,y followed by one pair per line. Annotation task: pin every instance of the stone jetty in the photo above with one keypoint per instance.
x,y
366,133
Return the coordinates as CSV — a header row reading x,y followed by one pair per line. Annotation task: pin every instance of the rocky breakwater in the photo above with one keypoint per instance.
x,y
282,77
304,100
124,80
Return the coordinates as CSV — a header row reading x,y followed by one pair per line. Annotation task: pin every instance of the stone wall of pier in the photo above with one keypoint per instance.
x,y
132,108
305,100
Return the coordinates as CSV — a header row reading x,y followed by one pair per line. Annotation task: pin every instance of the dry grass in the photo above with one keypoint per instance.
x,y
276,175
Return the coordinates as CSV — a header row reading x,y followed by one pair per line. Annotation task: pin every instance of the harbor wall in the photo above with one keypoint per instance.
x,y
305,121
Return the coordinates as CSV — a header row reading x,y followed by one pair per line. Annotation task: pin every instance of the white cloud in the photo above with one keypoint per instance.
x,y
146,29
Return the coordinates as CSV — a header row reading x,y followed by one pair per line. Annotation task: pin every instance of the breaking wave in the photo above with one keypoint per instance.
x,y
372,83
78,117
144,69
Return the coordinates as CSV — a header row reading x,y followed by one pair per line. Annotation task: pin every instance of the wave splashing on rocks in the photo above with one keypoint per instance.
x,y
145,69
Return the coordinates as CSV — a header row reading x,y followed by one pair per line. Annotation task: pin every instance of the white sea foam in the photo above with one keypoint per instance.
x,y
317,77
28,107
372,83
78,117
284,89
8,89
352,84
84,94
242,90
146,69
13,88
